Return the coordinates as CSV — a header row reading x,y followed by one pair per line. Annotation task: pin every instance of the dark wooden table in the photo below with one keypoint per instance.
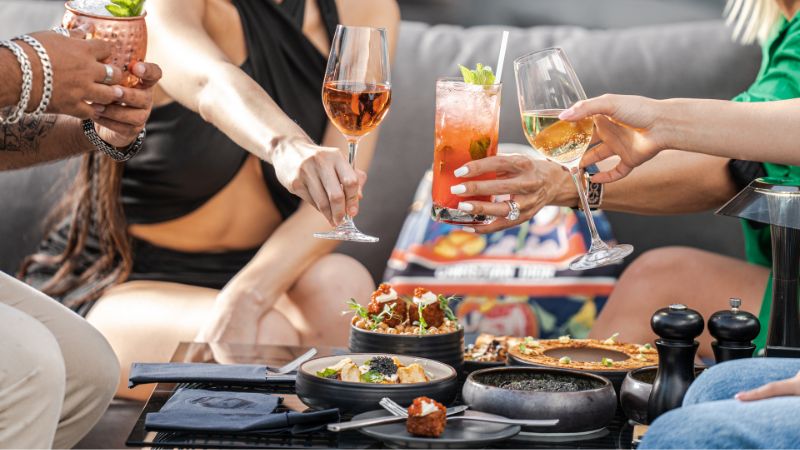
x,y
617,435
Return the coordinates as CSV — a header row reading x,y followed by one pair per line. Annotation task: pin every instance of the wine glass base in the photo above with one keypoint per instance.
x,y
346,234
603,257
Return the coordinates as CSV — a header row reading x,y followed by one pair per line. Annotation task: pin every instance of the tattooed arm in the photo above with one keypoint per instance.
x,y
37,140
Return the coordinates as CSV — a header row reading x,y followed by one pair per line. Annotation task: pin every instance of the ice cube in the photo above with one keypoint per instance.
x,y
93,7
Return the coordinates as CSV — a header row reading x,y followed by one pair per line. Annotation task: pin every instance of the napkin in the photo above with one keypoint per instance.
x,y
225,412
237,374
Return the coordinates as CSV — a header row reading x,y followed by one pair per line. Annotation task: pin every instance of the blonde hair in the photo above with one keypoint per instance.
x,y
752,20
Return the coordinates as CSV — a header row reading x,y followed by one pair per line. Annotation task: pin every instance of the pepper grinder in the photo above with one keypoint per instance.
x,y
677,326
734,331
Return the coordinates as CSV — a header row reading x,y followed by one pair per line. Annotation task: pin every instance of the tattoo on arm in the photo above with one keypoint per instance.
x,y
25,135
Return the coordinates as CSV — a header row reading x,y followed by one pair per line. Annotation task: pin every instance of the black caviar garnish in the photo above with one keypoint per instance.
x,y
383,365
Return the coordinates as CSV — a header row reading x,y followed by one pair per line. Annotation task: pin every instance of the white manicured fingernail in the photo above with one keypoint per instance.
x,y
469,229
466,207
458,189
461,171
118,92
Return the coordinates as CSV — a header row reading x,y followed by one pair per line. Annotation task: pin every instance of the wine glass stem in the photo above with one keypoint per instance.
x,y
352,150
597,243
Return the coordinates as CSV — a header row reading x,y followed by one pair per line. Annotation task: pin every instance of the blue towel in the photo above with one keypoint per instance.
x,y
236,374
203,410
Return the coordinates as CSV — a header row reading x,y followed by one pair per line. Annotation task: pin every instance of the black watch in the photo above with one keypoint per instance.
x,y
110,150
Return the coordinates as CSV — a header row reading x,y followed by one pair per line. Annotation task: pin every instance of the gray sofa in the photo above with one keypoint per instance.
x,y
695,59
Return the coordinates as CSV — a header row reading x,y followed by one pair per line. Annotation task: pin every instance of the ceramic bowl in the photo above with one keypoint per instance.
x,y
582,354
322,393
447,348
591,408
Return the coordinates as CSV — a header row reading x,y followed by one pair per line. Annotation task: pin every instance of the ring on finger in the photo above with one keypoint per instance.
x,y
513,210
62,31
109,74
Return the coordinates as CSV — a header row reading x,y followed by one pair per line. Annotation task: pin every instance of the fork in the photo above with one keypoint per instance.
x,y
293,365
397,410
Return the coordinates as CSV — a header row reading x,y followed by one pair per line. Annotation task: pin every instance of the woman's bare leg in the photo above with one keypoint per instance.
x,y
145,320
315,303
702,280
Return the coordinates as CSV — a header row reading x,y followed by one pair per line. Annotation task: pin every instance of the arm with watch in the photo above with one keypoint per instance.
x,y
673,182
57,100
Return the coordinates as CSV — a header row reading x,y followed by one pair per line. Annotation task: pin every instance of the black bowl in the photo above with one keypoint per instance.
x,y
447,348
590,354
590,408
323,393
636,389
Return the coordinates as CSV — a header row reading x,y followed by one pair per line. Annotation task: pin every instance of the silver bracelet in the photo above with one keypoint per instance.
x,y
47,71
27,82
110,150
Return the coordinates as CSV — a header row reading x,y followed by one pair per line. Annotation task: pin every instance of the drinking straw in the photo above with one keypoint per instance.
x,y
502,56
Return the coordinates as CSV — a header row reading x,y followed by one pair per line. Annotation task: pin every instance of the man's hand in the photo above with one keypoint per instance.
x,y
77,74
790,387
119,123
531,183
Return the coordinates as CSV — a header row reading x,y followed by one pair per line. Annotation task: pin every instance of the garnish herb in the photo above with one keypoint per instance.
x,y
521,347
565,360
327,372
608,362
423,325
479,148
371,376
611,340
358,309
388,310
126,8
482,75
564,339
529,340
444,304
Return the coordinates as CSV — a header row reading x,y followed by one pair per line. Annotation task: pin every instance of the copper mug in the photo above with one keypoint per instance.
x,y
127,34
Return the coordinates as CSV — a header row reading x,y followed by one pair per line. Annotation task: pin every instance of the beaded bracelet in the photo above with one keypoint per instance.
x,y
47,71
27,82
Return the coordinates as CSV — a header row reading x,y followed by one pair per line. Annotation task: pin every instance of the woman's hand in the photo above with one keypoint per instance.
x,y
790,387
628,126
77,73
319,175
531,183
120,122
235,316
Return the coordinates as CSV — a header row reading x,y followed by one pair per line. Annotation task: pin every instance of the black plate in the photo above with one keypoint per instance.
x,y
459,434
447,348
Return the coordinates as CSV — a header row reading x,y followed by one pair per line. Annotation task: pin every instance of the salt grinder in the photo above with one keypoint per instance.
x,y
734,331
677,326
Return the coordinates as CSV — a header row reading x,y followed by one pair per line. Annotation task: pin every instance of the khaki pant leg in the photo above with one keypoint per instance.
x,y
92,369
32,381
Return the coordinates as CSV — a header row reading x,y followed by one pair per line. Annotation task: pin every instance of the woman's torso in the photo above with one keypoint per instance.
x,y
213,201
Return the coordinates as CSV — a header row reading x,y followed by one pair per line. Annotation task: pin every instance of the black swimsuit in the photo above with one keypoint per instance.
x,y
186,160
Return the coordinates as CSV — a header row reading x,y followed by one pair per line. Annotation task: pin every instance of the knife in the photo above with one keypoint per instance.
x,y
353,424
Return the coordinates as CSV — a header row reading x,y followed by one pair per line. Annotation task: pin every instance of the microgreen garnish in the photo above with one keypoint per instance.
x,y
126,8
372,376
521,347
423,325
358,309
444,304
388,310
482,75
611,340
327,372
608,362
565,360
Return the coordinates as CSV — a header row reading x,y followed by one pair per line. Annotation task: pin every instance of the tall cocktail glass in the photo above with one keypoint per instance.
x,y
467,128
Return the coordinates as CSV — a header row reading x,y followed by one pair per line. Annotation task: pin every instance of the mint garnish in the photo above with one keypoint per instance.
x,y
482,75
126,8
479,148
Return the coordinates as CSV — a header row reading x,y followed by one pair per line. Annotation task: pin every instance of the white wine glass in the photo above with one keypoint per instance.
x,y
546,86
356,94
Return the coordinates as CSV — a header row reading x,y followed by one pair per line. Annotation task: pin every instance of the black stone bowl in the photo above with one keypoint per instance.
x,y
323,393
583,354
590,406
636,389
447,348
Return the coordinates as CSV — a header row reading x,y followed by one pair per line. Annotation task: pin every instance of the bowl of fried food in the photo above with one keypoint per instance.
x,y
421,325
487,351
357,382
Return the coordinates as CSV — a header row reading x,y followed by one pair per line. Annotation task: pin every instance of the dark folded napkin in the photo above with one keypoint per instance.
x,y
224,412
236,374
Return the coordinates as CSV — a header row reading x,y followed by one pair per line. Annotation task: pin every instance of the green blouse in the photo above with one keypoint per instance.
x,y
778,79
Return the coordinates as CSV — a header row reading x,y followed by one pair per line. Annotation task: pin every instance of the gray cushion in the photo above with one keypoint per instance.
x,y
686,60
